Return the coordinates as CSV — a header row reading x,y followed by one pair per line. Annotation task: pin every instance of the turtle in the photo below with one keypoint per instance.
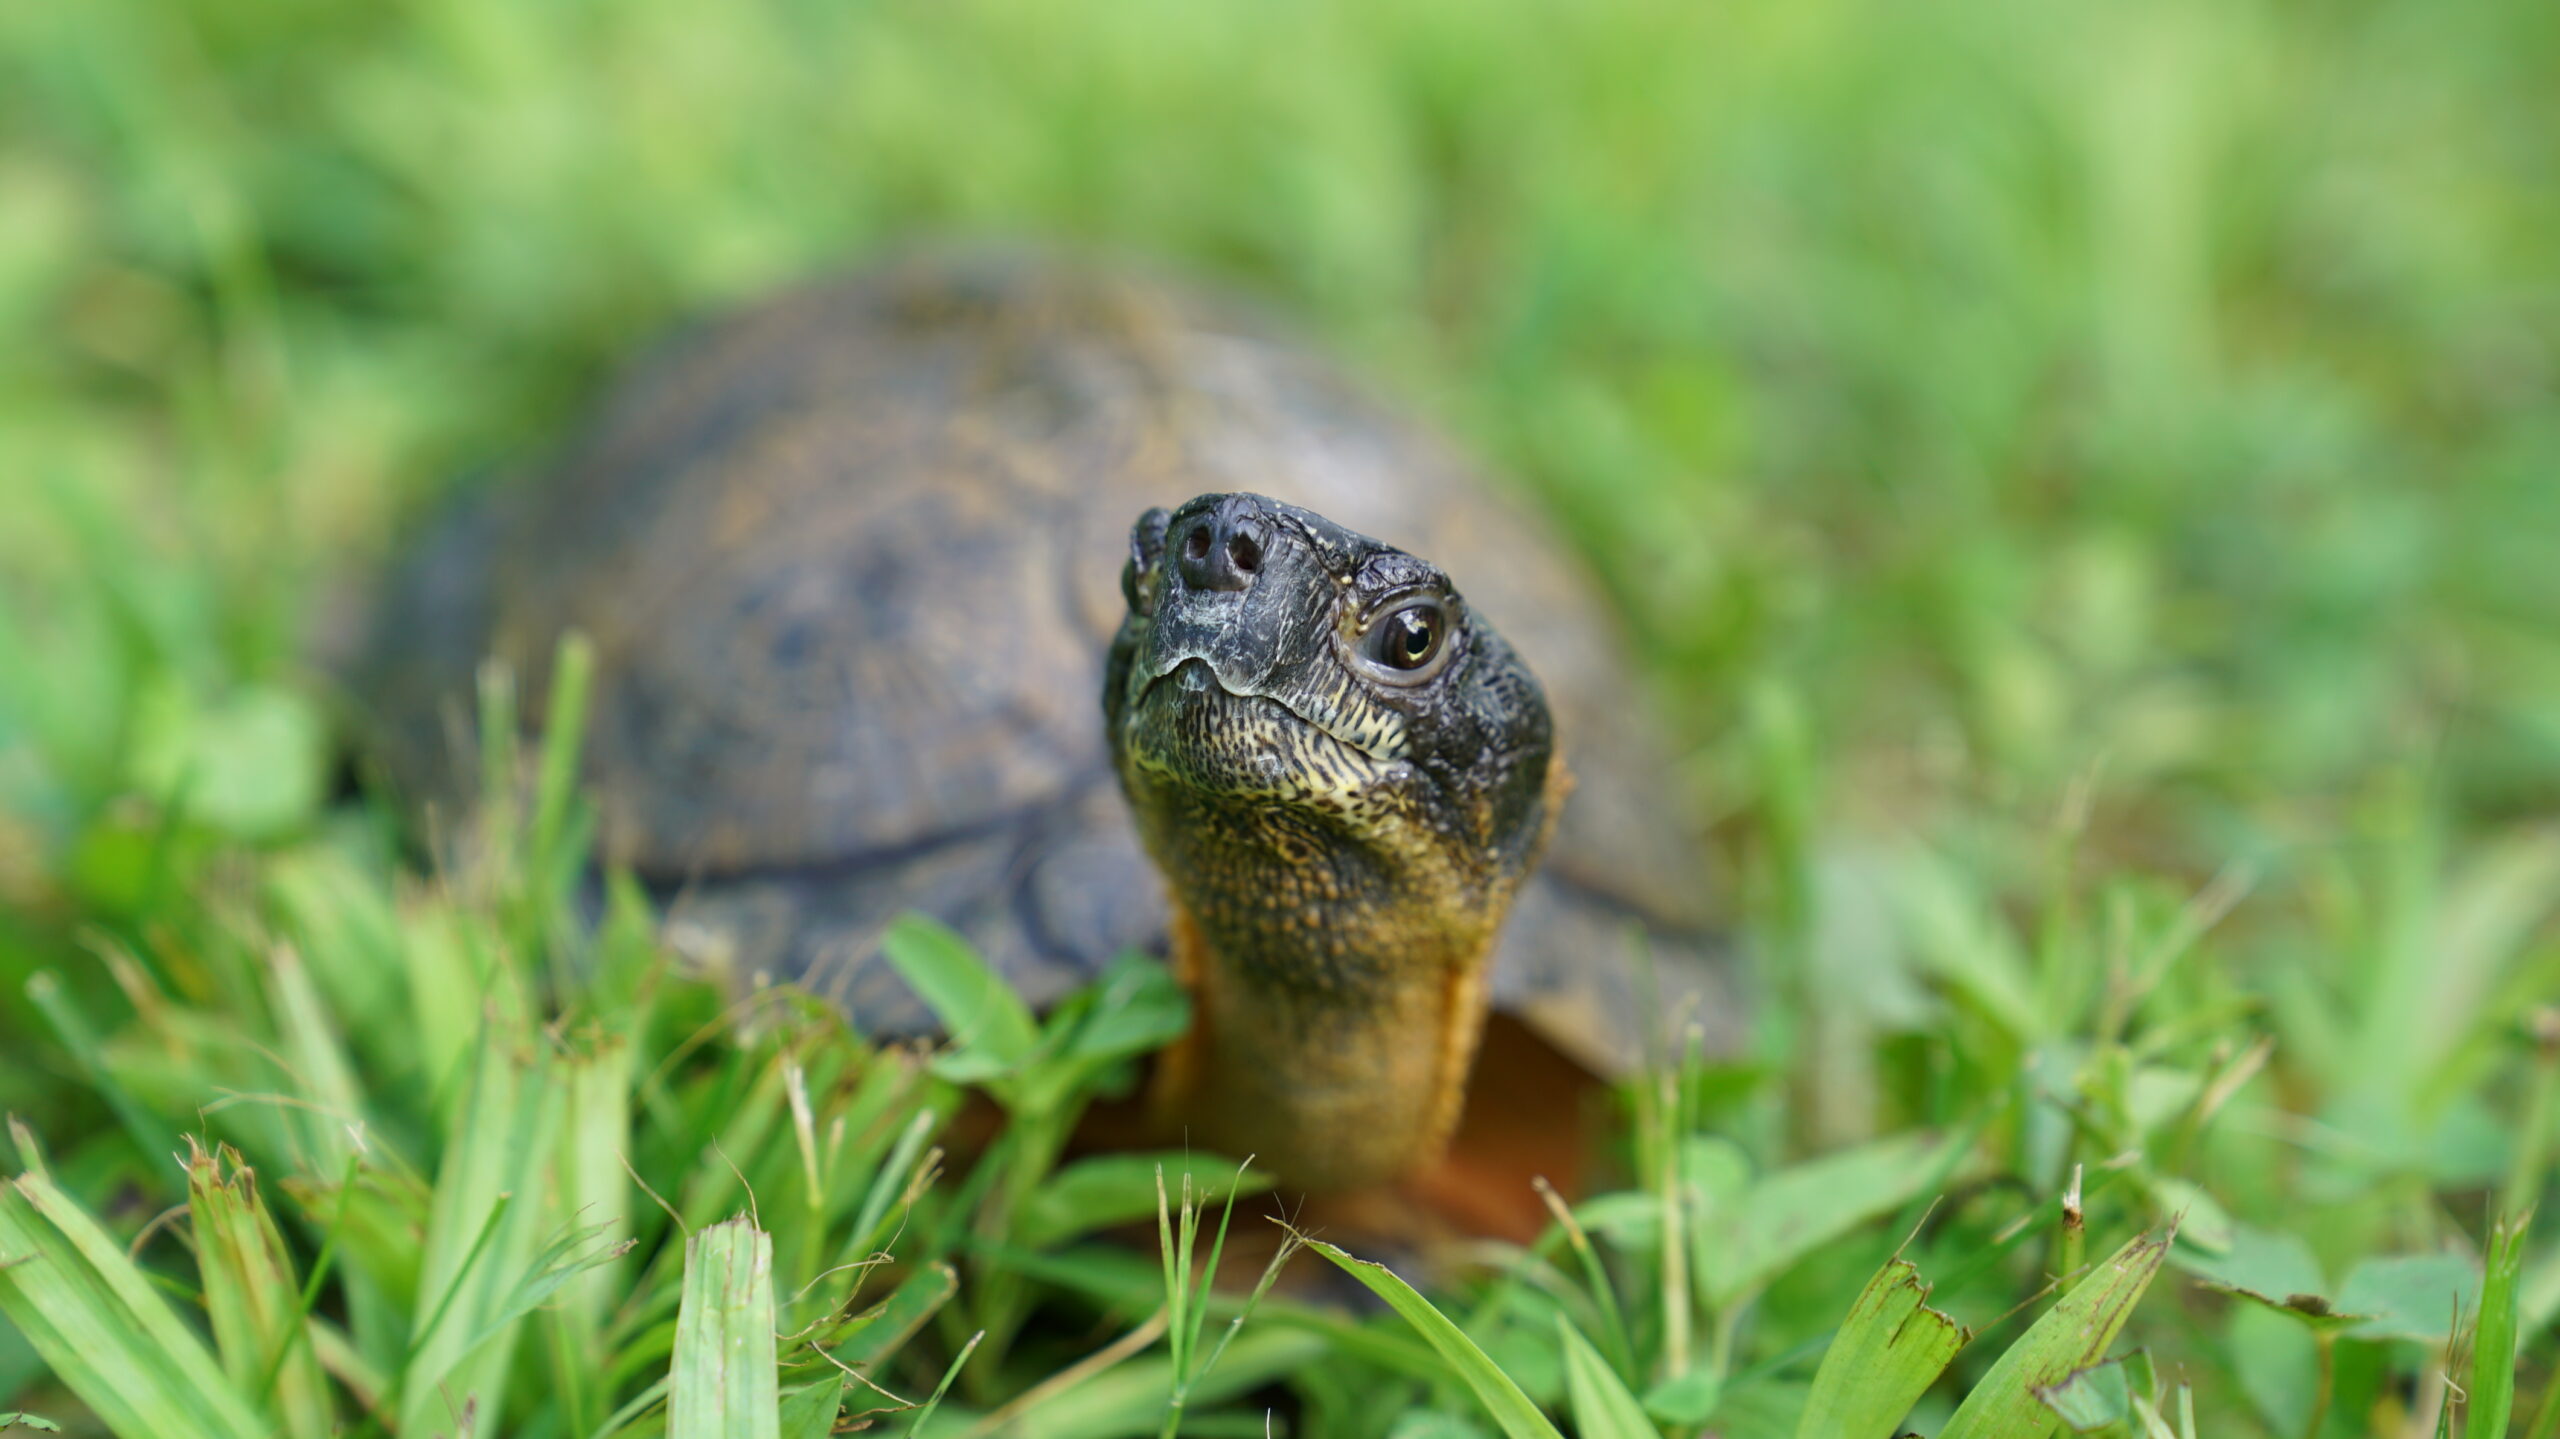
x,y
874,633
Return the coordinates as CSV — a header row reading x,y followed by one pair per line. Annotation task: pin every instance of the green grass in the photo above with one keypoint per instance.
x,y
2080,477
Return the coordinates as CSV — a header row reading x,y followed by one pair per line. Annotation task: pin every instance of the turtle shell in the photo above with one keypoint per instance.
x,y
849,561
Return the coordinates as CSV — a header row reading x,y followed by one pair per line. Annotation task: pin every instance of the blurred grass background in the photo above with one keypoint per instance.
x,y
2106,445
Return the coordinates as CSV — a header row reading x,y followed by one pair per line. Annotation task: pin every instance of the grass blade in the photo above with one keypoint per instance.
x,y
320,1064
1602,1407
977,1008
2071,1337
1502,1399
925,1414
481,1235
1890,1349
594,1191
250,1294
102,1329
724,1384
2493,1343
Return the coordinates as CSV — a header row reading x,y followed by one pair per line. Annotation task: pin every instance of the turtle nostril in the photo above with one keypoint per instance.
x,y
1222,549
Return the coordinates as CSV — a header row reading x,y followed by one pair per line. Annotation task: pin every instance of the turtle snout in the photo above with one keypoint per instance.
x,y
1222,548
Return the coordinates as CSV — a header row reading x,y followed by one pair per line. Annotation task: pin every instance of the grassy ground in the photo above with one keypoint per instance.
x,y
2081,476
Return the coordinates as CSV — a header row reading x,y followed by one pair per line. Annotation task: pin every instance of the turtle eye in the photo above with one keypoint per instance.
x,y
1407,643
1146,549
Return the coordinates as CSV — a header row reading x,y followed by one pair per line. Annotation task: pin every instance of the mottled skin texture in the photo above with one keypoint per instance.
x,y
850,561
1342,837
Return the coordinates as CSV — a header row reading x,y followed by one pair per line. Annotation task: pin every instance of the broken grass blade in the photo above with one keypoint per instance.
x,y
724,1384
102,1329
2072,1336
1889,1350
595,1190
250,1295
2493,1343
1493,1389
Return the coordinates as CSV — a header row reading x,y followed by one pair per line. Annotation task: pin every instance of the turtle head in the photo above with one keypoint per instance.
x,y
1272,660
1344,775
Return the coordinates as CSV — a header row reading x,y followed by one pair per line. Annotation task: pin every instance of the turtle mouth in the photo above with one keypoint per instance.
x,y
1194,680
1187,724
